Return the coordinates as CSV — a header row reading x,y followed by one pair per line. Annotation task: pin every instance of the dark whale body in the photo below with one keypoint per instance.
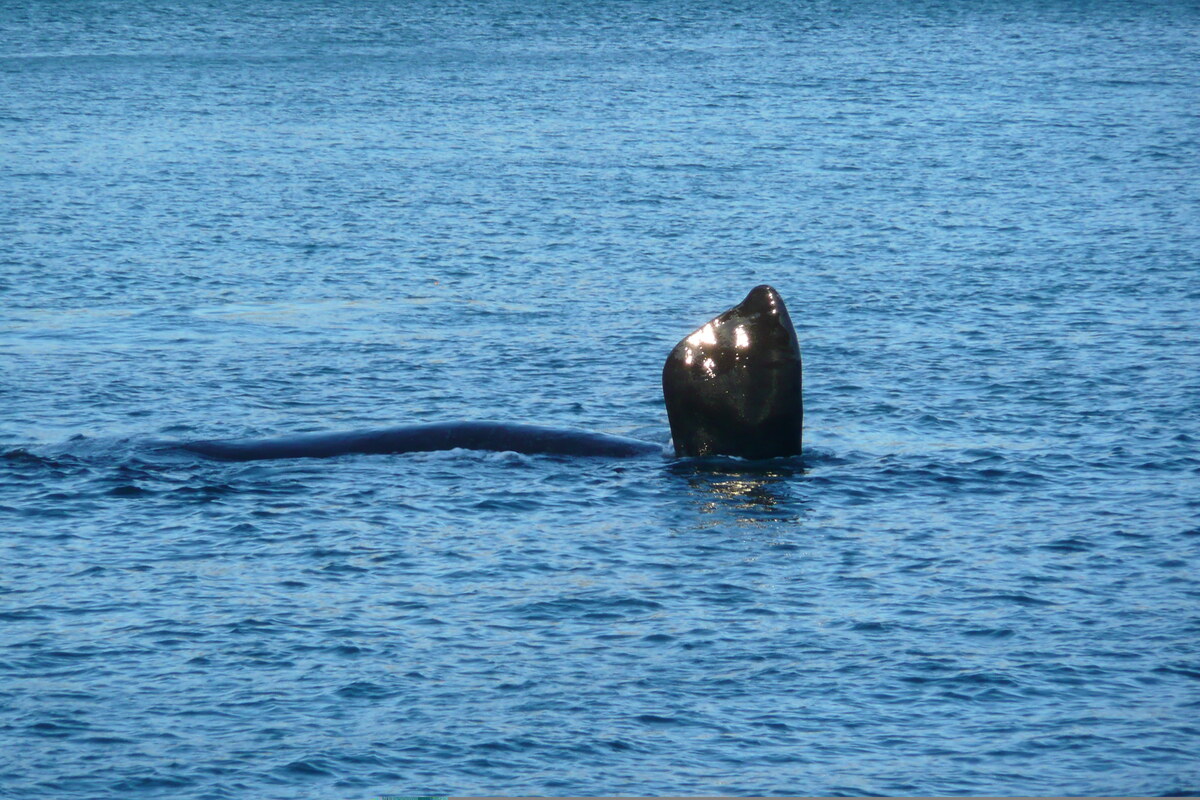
x,y
419,438
732,388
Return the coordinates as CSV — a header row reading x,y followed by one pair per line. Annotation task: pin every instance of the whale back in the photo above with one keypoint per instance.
x,y
533,439
733,386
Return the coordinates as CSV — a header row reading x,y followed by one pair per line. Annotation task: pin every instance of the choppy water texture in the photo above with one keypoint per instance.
x,y
227,219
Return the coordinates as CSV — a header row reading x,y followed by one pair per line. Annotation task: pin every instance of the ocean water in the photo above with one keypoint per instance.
x,y
226,219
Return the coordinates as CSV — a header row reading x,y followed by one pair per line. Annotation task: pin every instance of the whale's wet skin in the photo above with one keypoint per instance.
x,y
732,389
253,224
501,436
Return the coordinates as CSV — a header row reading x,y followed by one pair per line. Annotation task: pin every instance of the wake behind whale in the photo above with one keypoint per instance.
x,y
732,387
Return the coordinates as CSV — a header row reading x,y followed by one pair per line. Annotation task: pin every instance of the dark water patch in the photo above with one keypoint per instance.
x,y
990,633
309,768
25,615
873,627
106,740
1017,599
658,720
57,728
514,745
1067,545
365,690
1186,670
129,490
20,456
151,783
608,607
204,493
258,627
965,679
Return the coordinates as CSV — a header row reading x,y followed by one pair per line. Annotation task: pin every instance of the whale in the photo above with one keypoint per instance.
x,y
732,387
496,436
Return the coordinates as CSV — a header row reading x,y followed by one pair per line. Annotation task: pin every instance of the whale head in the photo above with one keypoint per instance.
x,y
732,387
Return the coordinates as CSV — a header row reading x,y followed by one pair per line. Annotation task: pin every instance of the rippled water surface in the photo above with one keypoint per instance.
x,y
228,219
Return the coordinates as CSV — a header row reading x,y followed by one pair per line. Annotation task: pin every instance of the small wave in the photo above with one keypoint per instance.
x,y
309,767
990,633
873,627
364,689
57,729
608,606
150,783
1185,670
1019,599
657,720
964,679
1067,545
21,454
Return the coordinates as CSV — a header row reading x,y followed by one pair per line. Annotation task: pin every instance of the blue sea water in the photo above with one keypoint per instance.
x,y
225,219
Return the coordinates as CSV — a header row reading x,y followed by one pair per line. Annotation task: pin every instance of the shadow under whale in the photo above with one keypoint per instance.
x,y
732,388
